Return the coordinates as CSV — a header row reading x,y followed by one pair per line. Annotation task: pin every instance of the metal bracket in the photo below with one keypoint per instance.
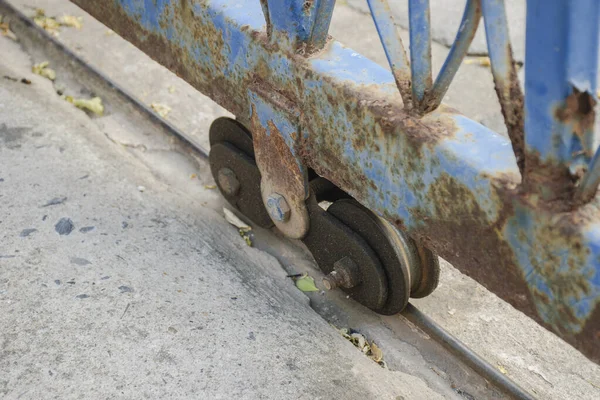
x,y
275,122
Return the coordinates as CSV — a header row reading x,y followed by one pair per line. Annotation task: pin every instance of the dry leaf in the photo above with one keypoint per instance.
x,y
161,109
235,221
243,228
43,70
483,61
376,353
94,105
71,21
502,369
5,29
306,284
109,32
210,187
193,176
49,24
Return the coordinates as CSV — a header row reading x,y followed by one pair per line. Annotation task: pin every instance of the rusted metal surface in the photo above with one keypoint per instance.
x,y
504,70
448,181
394,48
274,121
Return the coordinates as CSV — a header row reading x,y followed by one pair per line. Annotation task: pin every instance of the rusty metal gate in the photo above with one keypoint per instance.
x,y
519,214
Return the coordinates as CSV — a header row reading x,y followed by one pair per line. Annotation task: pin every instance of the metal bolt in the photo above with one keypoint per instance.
x,y
278,208
228,181
345,274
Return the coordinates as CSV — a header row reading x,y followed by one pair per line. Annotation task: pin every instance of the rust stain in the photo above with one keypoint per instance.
x,y
578,112
511,100
276,161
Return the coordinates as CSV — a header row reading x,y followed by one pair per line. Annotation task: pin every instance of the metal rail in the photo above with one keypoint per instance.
x,y
455,346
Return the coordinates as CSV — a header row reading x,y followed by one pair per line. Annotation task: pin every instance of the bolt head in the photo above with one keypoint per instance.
x,y
228,181
278,208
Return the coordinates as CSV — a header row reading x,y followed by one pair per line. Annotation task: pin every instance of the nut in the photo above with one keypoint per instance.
x,y
345,274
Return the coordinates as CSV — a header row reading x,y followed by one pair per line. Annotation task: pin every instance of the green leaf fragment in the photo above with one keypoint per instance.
x,y
94,105
306,284
43,70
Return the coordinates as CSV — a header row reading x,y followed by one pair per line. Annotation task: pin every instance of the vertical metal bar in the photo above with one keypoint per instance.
x,y
560,80
420,48
265,8
504,70
393,47
324,11
589,183
298,24
464,37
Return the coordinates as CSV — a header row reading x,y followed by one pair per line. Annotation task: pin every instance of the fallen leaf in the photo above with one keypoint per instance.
x,y
109,32
43,70
5,29
483,61
94,105
235,221
194,176
502,369
210,187
161,109
243,228
376,353
71,21
306,284
49,24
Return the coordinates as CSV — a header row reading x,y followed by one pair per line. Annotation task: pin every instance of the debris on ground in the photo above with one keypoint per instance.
x,y
161,109
502,369
43,70
171,89
93,105
370,350
5,29
483,61
210,187
52,25
244,229
49,24
109,32
71,21
22,80
306,283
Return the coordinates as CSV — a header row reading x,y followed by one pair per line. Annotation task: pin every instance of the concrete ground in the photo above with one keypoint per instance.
x,y
152,294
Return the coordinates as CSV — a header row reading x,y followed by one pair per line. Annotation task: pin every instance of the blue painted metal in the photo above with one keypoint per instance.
x,y
393,47
464,37
420,48
296,22
560,82
451,183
